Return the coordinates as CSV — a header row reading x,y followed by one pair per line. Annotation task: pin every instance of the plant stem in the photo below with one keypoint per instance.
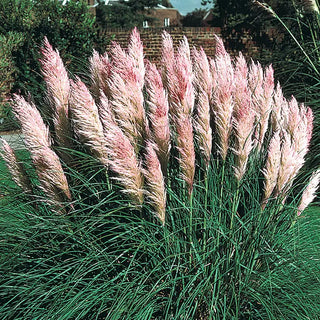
x,y
235,205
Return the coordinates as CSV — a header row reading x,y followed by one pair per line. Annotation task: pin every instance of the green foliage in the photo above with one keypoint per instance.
x,y
9,44
70,28
232,13
218,256
126,14
194,18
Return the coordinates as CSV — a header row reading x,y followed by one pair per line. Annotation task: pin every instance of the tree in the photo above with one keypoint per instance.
x,y
70,28
126,14
231,13
194,18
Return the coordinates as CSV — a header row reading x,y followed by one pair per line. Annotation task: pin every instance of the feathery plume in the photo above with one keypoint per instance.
x,y
58,87
202,72
296,139
185,147
158,106
126,96
272,167
290,164
203,87
16,169
52,179
135,53
279,110
122,156
262,86
99,73
87,125
181,102
168,57
309,192
180,82
223,103
299,126
219,47
154,182
243,118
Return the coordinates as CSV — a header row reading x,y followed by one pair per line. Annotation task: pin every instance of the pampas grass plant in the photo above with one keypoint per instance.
x,y
180,201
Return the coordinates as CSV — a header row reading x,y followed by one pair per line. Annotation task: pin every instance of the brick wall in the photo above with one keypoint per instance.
x,y
197,36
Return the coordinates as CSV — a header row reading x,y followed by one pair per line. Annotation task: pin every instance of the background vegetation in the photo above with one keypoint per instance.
x,y
23,26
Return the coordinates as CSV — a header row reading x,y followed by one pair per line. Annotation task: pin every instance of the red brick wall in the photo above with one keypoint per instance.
x,y
199,36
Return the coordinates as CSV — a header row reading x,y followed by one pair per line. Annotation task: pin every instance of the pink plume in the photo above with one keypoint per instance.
x,y
157,101
203,87
99,73
52,179
244,117
222,102
58,86
310,192
154,182
87,125
16,169
122,156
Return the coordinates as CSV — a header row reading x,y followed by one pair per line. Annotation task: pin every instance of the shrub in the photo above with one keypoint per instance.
x,y
69,27
8,45
160,194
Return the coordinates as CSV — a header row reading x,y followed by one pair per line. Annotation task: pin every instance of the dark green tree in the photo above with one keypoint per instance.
x,y
194,18
231,13
125,14
69,28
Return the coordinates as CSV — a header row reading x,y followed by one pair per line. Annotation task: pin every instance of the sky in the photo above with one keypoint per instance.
x,y
185,6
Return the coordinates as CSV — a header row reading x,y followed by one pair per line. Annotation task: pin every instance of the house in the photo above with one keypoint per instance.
x,y
162,16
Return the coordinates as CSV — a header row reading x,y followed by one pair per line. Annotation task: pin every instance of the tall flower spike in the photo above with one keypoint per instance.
x,y
219,47
158,106
122,156
181,97
222,102
272,167
126,96
167,61
16,169
264,105
58,87
244,117
52,179
303,132
279,108
87,125
183,90
203,87
309,192
185,147
290,164
154,182
135,52
99,73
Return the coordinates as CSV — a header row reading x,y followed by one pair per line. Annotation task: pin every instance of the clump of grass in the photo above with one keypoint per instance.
x,y
209,230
